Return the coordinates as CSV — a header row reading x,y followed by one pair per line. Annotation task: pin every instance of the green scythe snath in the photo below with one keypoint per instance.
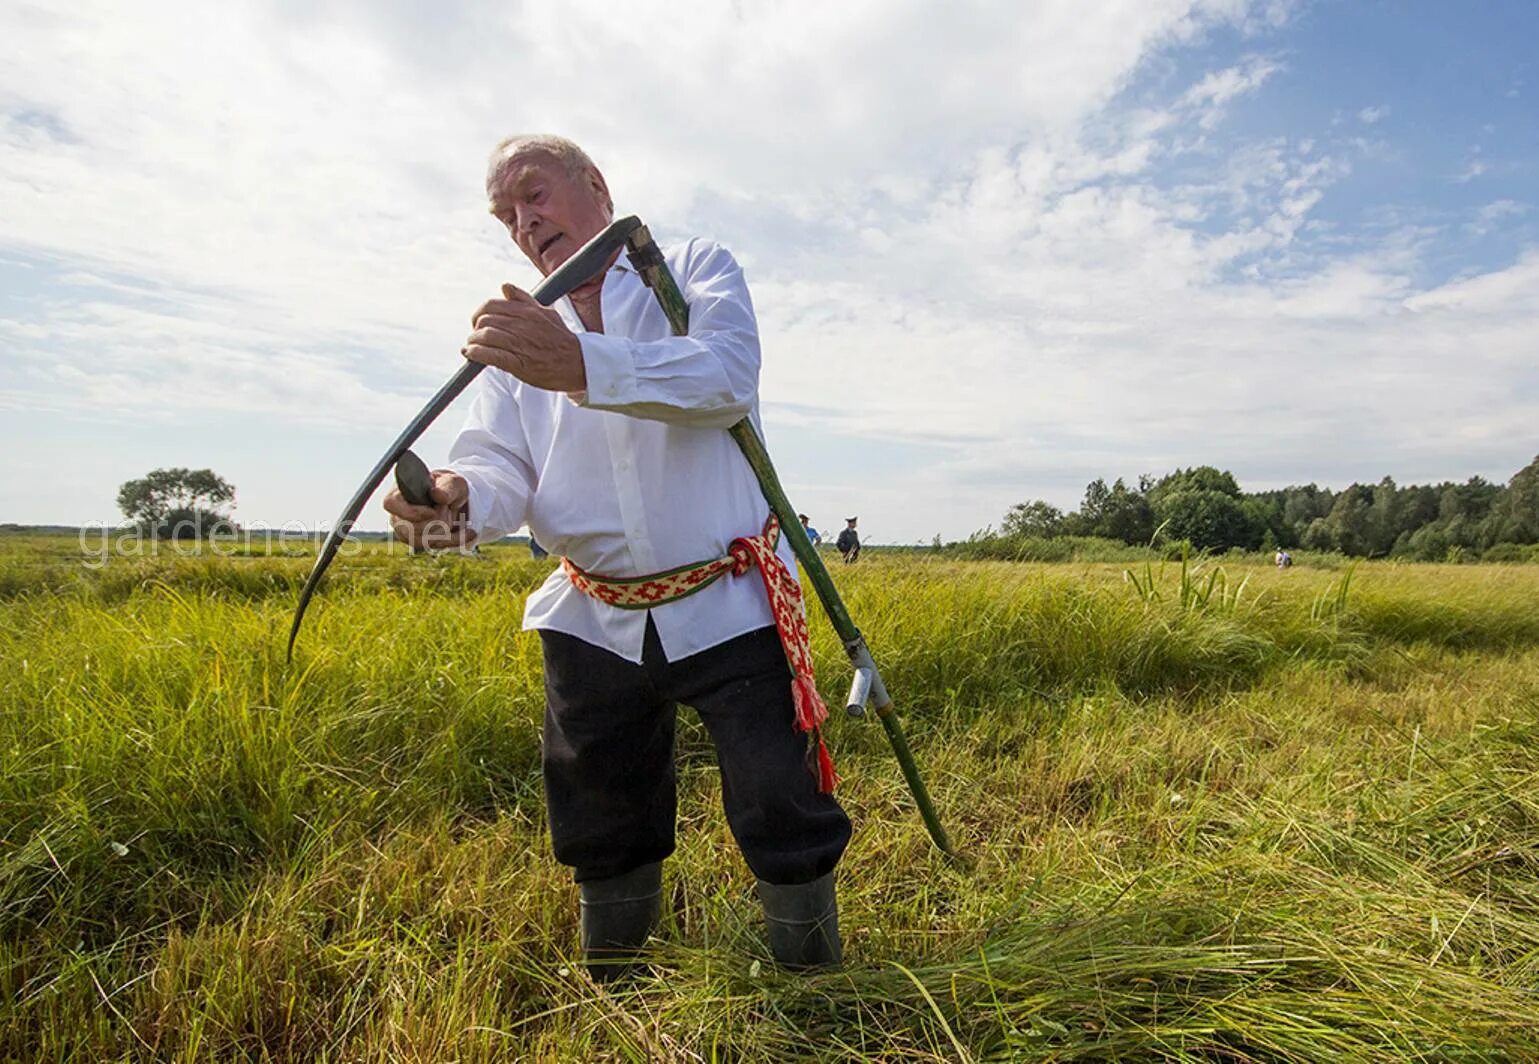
x,y
648,261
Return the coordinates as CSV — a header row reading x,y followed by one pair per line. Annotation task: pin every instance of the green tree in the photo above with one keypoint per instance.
x,y
1198,478
1035,518
1214,520
181,503
1471,500
1115,512
1350,520
1126,515
1204,506
1267,509
1318,536
1303,505
1517,510
1419,504
1092,507
1428,544
1384,517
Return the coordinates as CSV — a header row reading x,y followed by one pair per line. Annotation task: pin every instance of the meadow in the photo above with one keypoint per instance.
x,y
1210,811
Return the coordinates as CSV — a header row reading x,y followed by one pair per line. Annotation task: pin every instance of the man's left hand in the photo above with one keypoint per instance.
x,y
531,342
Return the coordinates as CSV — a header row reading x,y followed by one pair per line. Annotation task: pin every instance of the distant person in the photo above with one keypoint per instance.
x,y
812,533
848,543
1284,559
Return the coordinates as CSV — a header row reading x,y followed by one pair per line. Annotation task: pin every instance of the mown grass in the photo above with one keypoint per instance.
x,y
1292,820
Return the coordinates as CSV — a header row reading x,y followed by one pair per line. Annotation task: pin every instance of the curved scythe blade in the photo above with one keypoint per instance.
x,y
589,259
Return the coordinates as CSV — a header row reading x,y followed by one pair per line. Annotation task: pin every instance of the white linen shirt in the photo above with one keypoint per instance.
x,y
638,475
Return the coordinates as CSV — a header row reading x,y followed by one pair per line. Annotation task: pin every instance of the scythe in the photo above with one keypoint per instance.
x,y
647,259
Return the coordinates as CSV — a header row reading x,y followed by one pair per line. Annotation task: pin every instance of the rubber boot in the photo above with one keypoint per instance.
x,y
617,915
803,921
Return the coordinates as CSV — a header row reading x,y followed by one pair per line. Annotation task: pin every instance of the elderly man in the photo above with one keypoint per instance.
x,y
605,434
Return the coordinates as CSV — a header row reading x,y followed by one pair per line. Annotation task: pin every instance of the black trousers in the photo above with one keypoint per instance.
x,y
610,780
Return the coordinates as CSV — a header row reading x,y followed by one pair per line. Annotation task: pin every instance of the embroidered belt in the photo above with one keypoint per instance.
x,y
785,599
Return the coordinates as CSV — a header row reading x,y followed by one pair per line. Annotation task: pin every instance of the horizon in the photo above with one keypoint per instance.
x,y
1298,234
295,529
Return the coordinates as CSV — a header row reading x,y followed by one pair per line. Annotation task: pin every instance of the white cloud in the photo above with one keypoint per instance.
x,y
1502,293
1472,169
1221,86
1369,115
1210,95
1493,214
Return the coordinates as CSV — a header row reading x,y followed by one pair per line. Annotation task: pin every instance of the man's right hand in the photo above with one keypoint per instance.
x,y
437,527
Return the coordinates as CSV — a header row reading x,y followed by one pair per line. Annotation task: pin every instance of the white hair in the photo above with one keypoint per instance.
x,y
566,152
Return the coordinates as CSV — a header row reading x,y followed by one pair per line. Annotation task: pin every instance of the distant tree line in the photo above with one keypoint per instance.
x,y
1205,507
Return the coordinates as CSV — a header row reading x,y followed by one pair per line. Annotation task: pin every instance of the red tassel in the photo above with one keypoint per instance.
x,y
810,710
828,779
810,713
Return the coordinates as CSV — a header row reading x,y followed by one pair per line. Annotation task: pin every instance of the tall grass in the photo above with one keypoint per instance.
x,y
1214,811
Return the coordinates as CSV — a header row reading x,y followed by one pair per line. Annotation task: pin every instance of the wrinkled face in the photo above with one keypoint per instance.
x,y
548,211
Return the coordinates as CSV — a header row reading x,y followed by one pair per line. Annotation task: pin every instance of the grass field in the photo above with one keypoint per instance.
x,y
1257,816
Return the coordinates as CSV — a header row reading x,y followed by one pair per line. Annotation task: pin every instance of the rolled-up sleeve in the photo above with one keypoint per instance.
x,y
707,379
492,454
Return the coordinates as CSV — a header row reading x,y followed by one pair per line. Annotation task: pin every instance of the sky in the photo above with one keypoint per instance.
x,y
997,250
